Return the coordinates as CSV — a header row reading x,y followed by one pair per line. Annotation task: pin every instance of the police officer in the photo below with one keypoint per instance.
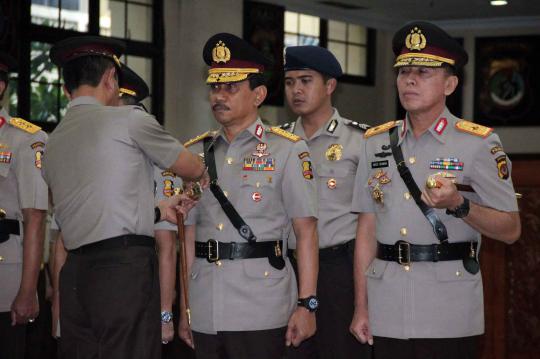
x,y
242,289
335,144
427,188
133,90
23,205
99,170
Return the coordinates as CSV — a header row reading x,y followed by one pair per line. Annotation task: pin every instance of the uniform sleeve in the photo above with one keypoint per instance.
x,y
362,201
165,183
33,192
299,184
491,176
162,148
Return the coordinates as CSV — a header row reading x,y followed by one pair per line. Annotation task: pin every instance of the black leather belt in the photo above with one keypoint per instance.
x,y
404,253
128,240
7,227
337,251
213,250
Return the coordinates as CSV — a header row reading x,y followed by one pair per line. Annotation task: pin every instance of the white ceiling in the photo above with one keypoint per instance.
x,y
393,13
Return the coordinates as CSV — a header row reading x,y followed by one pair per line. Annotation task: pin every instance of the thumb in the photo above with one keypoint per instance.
x,y
13,318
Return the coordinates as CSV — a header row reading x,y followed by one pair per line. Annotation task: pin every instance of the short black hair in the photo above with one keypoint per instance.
x,y
256,80
128,100
85,70
449,69
5,78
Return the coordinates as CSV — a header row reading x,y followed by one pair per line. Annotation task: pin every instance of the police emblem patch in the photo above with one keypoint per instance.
x,y
307,171
502,167
334,152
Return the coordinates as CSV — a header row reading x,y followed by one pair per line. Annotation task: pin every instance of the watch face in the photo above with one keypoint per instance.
x,y
313,303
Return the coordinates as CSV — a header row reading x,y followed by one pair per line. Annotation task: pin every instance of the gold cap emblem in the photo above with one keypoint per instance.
x,y
415,40
221,53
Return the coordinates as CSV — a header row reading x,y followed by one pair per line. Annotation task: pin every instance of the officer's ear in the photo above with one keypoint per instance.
x,y
110,79
450,84
260,94
330,85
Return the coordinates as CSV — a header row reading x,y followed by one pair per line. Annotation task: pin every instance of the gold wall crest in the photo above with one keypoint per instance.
x,y
221,53
415,40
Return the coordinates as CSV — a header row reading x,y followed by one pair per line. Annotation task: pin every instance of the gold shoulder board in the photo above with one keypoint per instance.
x,y
286,134
473,128
198,138
380,129
24,125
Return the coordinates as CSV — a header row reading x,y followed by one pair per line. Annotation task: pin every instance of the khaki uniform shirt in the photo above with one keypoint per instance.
x,y
250,294
335,149
21,186
430,300
99,167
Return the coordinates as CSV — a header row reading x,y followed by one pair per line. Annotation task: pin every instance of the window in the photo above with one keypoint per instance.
x,y
132,19
301,29
65,14
36,91
352,44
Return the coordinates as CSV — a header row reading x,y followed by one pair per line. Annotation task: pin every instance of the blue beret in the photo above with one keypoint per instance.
x,y
313,58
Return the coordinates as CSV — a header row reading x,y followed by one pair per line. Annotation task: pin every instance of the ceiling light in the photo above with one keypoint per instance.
x,y
498,2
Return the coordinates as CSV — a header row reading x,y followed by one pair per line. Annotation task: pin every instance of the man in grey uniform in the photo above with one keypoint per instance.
x,y
243,291
99,168
23,206
335,144
427,188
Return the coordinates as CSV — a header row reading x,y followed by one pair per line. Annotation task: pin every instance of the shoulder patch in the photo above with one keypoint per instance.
x,y
199,138
358,125
473,128
380,129
24,125
283,133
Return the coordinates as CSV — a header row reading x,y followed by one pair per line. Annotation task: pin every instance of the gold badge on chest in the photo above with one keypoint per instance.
x,y
376,183
334,152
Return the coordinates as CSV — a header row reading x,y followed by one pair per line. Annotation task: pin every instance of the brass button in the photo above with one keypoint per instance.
x,y
218,263
407,195
226,193
403,231
373,271
1,259
412,160
230,160
266,274
458,273
258,184
407,268
219,227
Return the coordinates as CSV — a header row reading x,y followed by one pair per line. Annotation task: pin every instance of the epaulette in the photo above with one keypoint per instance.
x,y
24,125
358,125
284,133
380,129
285,126
199,138
473,128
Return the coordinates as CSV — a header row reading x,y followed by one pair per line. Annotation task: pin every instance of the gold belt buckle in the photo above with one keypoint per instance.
x,y
404,258
212,243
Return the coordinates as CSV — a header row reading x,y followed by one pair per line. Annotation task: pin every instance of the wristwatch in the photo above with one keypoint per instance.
x,y
166,317
311,303
460,211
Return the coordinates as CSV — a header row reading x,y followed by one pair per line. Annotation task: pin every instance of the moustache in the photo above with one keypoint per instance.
x,y
220,107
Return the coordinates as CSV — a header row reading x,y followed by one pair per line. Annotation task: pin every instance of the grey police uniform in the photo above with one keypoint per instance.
x,y
21,186
428,299
335,149
269,185
100,170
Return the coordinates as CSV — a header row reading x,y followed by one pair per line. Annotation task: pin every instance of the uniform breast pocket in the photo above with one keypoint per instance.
x,y
335,184
257,193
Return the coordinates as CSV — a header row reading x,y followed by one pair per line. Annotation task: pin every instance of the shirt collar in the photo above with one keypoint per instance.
x,y
332,127
83,100
256,129
438,129
5,117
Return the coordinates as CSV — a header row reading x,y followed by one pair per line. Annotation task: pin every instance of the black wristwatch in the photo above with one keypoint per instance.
x,y
311,303
462,210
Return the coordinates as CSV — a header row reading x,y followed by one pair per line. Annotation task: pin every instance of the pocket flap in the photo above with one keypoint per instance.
x,y
454,271
261,268
376,269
